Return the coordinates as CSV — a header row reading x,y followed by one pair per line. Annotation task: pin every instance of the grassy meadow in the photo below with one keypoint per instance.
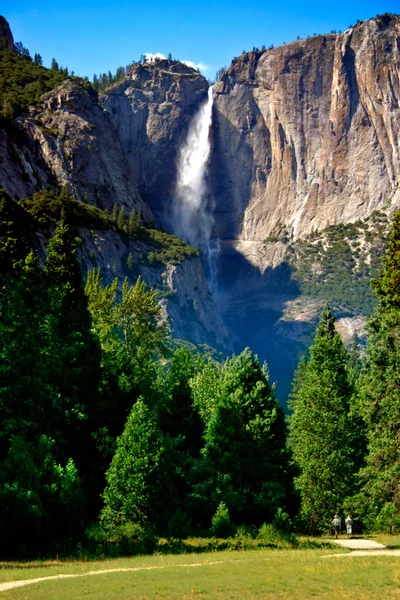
x,y
265,573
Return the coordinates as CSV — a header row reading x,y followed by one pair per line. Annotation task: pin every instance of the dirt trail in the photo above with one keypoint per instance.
x,y
359,544
362,547
9,585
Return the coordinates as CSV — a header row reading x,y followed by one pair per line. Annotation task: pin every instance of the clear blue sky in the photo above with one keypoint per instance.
x,y
96,36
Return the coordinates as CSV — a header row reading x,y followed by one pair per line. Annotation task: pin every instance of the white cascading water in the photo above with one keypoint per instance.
x,y
193,206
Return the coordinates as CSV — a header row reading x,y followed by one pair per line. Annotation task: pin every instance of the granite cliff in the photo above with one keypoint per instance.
x,y
68,139
151,111
305,137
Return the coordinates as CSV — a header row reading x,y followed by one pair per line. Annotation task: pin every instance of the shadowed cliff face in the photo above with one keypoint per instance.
x,y
151,111
307,134
5,34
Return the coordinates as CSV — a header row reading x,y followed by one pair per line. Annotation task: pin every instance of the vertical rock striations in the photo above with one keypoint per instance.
x,y
151,110
308,134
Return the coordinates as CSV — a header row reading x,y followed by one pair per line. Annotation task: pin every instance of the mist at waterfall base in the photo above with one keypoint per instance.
x,y
194,204
251,302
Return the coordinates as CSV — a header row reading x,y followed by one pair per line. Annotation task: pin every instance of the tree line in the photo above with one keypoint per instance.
x,y
106,425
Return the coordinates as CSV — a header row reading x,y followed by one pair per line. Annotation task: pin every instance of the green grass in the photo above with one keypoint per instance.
x,y
299,574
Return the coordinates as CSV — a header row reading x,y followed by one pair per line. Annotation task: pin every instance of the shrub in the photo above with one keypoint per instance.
x,y
268,535
282,521
388,519
221,522
128,539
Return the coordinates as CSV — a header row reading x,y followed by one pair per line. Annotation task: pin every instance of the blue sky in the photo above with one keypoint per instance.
x,y
95,36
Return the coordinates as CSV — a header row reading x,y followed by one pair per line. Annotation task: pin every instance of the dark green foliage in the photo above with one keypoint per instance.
x,y
323,437
246,464
42,504
332,265
137,480
387,286
379,388
73,353
48,206
26,398
168,248
181,424
102,82
22,82
15,233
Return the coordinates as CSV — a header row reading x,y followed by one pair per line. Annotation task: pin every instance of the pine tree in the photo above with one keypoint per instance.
x,y
114,213
121,221
322,435
133,223
73,351
137,481
246,464
183,428
130,263
26,398
379,393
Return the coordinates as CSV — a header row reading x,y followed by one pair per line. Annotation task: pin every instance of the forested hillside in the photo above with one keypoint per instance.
x,y
102,417
126,423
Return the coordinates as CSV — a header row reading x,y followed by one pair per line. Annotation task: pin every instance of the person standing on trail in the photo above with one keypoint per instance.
x,y
349,526
337,524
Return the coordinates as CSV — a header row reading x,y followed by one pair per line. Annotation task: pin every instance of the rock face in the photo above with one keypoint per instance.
x,y
70,140
308,134
305,136
5,34
185,297
151,111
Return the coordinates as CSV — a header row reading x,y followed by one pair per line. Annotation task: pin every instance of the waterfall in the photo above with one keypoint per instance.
x,y
193,220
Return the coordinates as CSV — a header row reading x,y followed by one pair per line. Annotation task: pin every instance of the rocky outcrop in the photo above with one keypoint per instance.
x,y
69,140
183,289
308,134
151,110
6,36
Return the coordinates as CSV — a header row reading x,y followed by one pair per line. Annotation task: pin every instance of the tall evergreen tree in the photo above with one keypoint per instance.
x,y
73,352
137,481
26,398
133,223
183,429
246,464
122,221
379,394
322,435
